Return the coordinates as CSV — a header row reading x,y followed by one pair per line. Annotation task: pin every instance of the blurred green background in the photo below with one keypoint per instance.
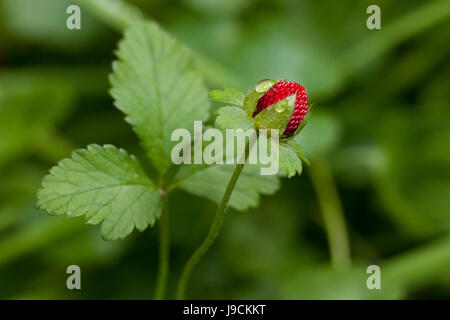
x,y
378,142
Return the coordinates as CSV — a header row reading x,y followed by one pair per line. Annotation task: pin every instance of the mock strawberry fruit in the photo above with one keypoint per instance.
x,y
283,106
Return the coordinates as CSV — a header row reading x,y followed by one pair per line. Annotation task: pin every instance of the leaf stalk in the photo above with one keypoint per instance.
x,y
164,250
212,234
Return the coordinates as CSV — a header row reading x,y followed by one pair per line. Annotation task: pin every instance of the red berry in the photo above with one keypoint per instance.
x,y
282,90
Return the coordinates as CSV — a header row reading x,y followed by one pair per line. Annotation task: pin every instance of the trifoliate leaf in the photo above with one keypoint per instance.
x,y
211,182
233,118
104,184
228,95
289,160
156,85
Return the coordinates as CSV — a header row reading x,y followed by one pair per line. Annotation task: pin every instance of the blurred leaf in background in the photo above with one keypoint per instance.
x,y
378,140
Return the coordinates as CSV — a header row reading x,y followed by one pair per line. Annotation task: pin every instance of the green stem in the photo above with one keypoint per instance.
x,y
332,212
212,235
164,250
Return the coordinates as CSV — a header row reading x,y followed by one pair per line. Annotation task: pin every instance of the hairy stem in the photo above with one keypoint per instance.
x,y
212,234
332,212
164,250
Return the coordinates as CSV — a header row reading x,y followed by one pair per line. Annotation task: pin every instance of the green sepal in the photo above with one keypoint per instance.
x,y
264,85
298,149
276,116
228,95
289,160
233,118
251,99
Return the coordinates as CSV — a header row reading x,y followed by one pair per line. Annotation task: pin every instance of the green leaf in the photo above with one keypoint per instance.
x,y
156,85
104,184
233,118
228,95
212,182
289,160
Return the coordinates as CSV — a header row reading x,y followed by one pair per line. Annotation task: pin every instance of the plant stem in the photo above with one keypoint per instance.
x,y
332,212
164,250
212,234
